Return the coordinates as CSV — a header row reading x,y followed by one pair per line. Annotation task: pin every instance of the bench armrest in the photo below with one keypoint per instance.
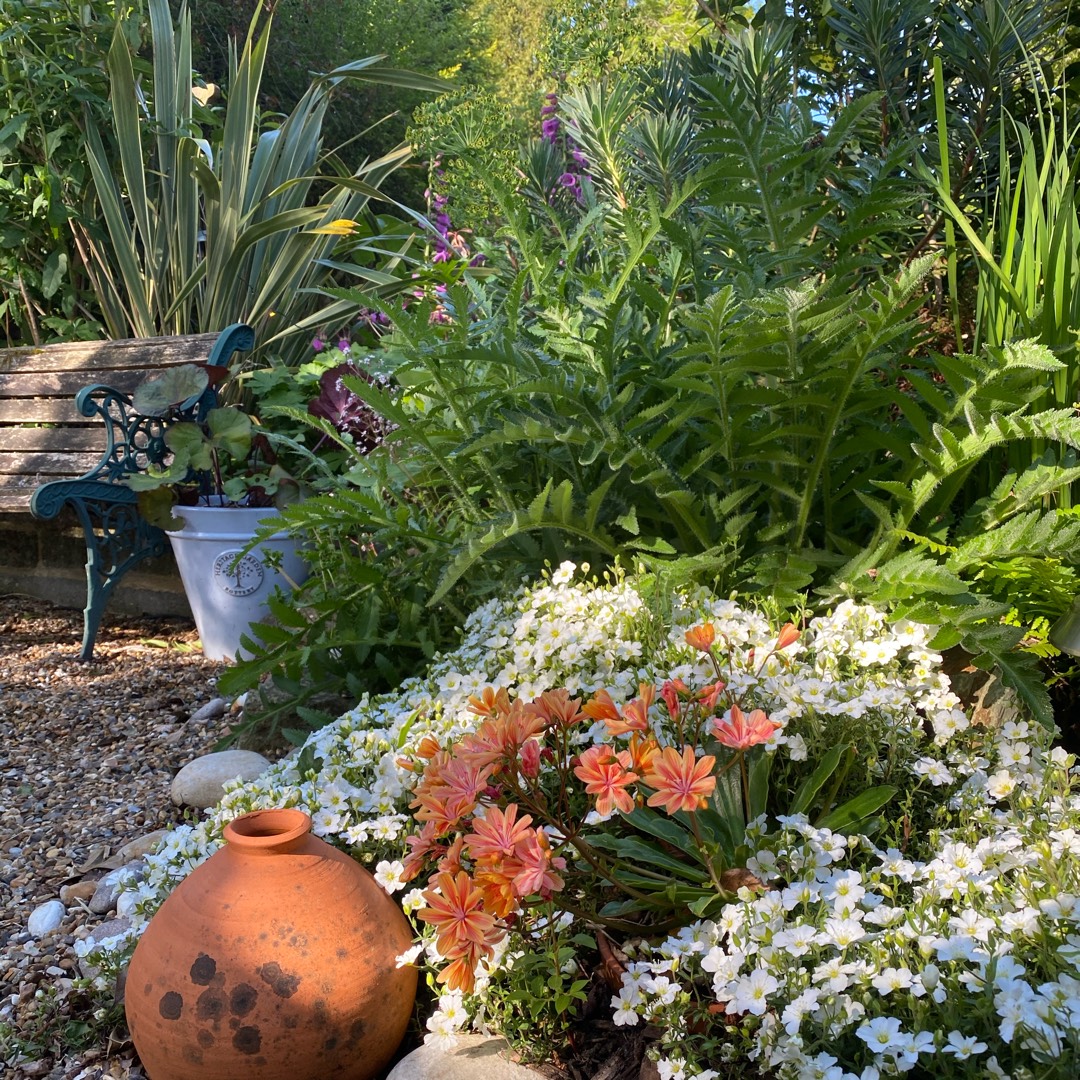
x,y
134,441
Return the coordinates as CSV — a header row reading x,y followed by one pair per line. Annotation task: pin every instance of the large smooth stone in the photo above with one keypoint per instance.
x,y
46,918
475,1056
200,783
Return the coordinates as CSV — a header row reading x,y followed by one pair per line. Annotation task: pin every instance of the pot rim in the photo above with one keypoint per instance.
x,y
267,831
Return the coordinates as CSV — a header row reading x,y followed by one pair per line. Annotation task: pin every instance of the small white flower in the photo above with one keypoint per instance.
x,y
1000,785
625,1007
880,1034
389,875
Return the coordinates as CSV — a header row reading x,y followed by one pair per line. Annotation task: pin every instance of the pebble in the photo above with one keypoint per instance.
x,y
143,845
201,782
473,1056
81,890
87,753
46,918
212,710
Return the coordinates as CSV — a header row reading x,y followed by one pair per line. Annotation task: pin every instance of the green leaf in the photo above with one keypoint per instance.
x,y
168,389
808,789
857,809
663,828
641,854
190,446
52,273
231,431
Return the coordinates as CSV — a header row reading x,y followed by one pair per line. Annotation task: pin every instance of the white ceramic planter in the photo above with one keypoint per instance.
x,y
229,592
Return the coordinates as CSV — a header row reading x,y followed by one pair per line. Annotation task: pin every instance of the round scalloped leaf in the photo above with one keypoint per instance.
x,y
164,391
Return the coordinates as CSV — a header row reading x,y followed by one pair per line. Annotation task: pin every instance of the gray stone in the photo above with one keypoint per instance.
x,y
100,933
46,918
108,888
201,782
212,710
474,1056
140,846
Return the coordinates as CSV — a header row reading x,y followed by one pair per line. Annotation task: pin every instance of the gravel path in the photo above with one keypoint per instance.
x,y
87,752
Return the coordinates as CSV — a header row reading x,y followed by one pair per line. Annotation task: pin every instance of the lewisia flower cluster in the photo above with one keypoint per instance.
x,y
944,944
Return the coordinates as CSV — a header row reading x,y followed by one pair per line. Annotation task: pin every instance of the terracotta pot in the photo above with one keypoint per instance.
x,y
273,959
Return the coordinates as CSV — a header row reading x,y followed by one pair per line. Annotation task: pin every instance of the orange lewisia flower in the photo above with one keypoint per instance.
x,y
456,912
491,702
642,752
681,781
427,749
710,694
450,863
556,707
606,775
635,716
460,973
498,888
421,845
497,833
447,793
670,692
500,737
789,634
740,732
701,637
601,707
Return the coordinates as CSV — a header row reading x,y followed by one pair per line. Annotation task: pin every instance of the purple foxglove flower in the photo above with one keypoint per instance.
x,y
568,180
549,129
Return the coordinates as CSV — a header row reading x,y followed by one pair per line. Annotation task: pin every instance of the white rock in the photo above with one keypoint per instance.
x,y
474,1056
45,918
201,782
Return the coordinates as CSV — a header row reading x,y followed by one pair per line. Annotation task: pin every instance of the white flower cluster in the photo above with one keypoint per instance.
x,y
959,958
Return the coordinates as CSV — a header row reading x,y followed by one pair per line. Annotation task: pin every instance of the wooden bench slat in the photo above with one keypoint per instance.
x,y
66,440
91,358
40,411
16,498
50,465
67,383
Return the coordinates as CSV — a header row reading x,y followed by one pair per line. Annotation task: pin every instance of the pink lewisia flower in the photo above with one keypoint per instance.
x,y
530,759
538,866
740,732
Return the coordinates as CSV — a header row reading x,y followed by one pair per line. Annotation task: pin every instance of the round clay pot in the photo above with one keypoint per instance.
x,y
273,959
